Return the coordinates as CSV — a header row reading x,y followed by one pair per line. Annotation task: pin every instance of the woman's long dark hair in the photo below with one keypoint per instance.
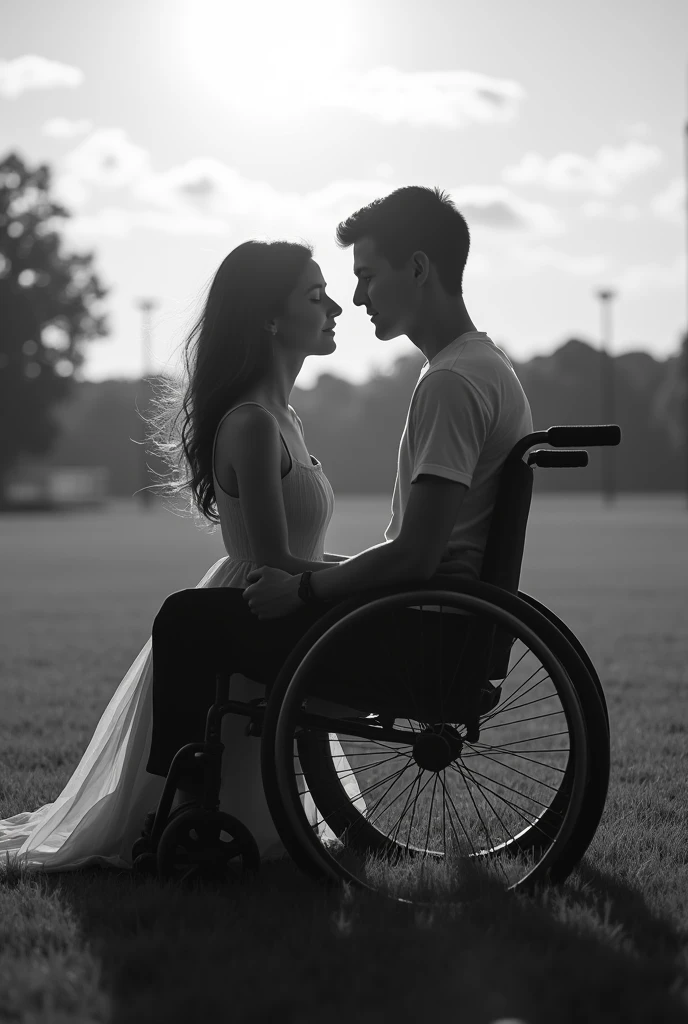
x,y
226,351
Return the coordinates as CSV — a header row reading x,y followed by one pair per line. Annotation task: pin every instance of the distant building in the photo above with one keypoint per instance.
x,y
56,487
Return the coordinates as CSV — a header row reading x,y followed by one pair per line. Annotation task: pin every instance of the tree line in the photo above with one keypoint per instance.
x,y
51,306
354,430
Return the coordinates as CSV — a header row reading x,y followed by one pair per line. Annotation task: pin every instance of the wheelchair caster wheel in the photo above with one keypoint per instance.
x,y
145,865
206,846
141,847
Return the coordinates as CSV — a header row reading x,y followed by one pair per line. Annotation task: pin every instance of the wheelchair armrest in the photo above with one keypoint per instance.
x,y
546,457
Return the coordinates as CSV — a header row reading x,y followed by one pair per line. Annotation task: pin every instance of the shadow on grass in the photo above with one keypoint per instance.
x,y
283,947
651,935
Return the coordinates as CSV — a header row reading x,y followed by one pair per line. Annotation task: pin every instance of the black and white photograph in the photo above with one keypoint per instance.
x,y
343,512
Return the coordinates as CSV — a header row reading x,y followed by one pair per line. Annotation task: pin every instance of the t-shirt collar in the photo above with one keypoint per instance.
x,y
466,336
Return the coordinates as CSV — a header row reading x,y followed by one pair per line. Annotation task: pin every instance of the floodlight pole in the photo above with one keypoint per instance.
x,y
683,357
607,412
146,308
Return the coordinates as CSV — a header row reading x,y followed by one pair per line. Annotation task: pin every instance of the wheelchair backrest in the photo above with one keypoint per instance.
x,y
506,540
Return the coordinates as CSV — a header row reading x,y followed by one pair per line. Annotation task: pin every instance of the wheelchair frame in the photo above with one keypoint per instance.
x,y
499,587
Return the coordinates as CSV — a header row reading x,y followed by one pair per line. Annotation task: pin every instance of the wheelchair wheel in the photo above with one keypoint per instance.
x,y
575,643
205,846
406,802
595,713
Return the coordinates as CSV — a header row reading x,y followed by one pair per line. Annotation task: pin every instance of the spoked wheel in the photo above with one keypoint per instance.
x,y
404,801
206,846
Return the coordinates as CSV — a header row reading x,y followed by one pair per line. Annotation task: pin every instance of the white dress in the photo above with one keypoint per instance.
x,y
100,812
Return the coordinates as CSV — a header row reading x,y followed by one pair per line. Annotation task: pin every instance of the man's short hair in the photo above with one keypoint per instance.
x,y
411,219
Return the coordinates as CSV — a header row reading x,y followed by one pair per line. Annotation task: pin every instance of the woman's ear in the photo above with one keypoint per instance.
x,y
270,326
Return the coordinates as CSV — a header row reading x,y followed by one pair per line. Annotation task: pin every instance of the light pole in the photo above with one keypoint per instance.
x,y
146,308
684,347
607,403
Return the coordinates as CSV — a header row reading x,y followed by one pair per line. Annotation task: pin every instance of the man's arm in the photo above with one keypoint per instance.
x,y
413,556
334,558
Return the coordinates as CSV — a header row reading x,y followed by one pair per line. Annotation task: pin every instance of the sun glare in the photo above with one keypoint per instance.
x,y
267,53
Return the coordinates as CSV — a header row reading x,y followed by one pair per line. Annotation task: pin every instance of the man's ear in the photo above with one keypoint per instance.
x,y
421,266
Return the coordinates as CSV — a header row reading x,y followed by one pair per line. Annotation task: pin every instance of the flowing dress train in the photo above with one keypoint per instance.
x,y
99,813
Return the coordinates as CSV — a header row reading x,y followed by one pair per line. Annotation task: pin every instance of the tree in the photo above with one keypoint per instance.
x,y
48,309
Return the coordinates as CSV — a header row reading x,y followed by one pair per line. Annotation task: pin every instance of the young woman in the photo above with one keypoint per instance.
x,y
232,440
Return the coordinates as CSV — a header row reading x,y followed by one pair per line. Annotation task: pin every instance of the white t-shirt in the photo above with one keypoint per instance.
x,y
467,411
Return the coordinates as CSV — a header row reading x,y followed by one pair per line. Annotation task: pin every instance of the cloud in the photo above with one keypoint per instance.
x,y
543,256
670,204
494,206
106,159
118,222
444,99
651,277
204,192
63,128
212,187
595,209
32,72
602,174
70,191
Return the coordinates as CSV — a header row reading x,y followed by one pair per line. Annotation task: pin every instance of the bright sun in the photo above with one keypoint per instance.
x,y
273,51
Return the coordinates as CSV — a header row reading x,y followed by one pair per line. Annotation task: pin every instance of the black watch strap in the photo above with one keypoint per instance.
x,y
305,592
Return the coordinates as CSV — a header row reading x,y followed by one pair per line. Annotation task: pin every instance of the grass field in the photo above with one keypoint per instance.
x,y
78,594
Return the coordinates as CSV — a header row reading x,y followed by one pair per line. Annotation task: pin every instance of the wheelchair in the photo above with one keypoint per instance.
x,y
419,736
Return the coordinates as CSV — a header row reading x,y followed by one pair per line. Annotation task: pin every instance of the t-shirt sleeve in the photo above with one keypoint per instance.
x,y
451,422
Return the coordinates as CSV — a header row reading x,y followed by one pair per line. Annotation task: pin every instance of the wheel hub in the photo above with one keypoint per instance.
x,y
436,747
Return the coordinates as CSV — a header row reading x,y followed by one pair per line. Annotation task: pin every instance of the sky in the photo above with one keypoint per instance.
x,y
177,129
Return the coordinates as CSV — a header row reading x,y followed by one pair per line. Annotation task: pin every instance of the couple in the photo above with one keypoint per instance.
x,y
243,456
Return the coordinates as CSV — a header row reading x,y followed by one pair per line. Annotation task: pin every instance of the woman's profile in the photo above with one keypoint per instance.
x,y
236,447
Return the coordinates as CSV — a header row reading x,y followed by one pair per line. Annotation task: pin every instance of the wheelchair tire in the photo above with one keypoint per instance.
x,y
192,847
599,753
325,786
282,732
575,643
145,865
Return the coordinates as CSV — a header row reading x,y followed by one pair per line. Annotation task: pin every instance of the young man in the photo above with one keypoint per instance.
x,y
466,413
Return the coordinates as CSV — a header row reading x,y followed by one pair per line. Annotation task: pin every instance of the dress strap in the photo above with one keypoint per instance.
x,y
224,417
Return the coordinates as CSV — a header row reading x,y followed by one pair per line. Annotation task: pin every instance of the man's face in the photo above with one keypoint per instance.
x,y
387,294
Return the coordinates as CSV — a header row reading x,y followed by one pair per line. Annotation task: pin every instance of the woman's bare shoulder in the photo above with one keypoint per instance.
x,y
250,421
247,417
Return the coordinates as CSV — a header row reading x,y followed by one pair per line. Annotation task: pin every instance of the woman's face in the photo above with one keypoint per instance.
x,y
307,324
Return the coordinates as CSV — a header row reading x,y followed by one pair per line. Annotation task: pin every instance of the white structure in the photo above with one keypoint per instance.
x,y
57,486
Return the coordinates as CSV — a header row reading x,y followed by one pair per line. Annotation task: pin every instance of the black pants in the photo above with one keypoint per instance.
x,y
395,659
197,633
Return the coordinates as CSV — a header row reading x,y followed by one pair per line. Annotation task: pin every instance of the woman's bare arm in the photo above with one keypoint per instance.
x,y
250,440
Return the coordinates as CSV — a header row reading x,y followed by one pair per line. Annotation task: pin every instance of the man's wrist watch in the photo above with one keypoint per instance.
x,y
305,591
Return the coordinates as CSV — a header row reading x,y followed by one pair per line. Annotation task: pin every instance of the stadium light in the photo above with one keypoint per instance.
x,y
146,308
607,396
683,358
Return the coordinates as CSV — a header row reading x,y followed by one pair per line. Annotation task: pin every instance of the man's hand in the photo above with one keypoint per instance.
x,y
272,593
449,563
